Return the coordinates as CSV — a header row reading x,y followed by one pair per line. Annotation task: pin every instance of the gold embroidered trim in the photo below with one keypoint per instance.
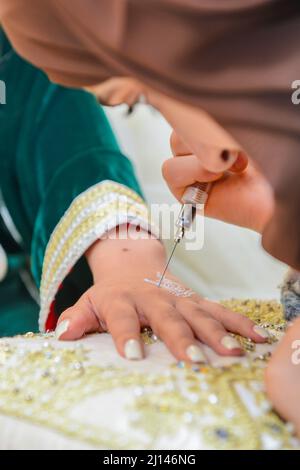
x,y
90,222
44,384
97,194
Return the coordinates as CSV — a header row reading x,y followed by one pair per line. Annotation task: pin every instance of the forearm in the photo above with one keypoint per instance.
x,y
120,253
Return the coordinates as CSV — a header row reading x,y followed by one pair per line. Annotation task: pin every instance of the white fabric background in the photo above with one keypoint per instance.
x,y
232,262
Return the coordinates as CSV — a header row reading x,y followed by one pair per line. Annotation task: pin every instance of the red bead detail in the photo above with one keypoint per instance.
x,y
52,318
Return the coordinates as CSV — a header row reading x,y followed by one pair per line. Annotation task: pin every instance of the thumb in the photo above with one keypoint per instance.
x,y
184,171
78,320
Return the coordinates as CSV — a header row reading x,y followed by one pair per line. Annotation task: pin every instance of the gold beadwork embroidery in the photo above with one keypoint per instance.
x,y
84,200
43,384
208,395
266,313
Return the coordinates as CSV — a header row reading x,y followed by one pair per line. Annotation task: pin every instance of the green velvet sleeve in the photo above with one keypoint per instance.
x,y
74,148
58,145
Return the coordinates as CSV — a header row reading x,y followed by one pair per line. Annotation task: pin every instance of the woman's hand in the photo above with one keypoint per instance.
x,y
241,196
121,302
283,376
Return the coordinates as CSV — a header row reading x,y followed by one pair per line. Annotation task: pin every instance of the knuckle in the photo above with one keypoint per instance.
x,y
201,314
213,326
240,319
167,323
175,143
170,316
185,304
117,313
249,323
67,313
166,169
116,299
224,314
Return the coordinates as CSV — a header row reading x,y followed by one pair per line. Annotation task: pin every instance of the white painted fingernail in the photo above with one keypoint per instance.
x,y
61,328
230,343
261,332
195,354
133,350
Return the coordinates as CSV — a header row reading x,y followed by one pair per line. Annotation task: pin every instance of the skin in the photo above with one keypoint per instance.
x,y
243,183
198,158
122,303
282,376
184,119
236,178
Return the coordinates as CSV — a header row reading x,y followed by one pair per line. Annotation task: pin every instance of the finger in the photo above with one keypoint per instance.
x,y
179,149
240,164
209,330
174,331
235,322
124,326
212,157
105,90
177,145
184,171
77,320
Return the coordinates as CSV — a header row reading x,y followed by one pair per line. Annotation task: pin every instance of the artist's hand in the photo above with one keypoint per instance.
x,y
121,302
283,376
241,196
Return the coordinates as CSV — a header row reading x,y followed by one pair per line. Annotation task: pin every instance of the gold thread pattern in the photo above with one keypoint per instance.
x,y
202,406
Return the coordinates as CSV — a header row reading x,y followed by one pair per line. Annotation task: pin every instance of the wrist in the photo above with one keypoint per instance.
x,y
119,253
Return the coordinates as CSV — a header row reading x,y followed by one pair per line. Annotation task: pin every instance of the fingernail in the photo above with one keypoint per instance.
x,y
61,328
133,350
261,332
230,343
227,155
195,354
